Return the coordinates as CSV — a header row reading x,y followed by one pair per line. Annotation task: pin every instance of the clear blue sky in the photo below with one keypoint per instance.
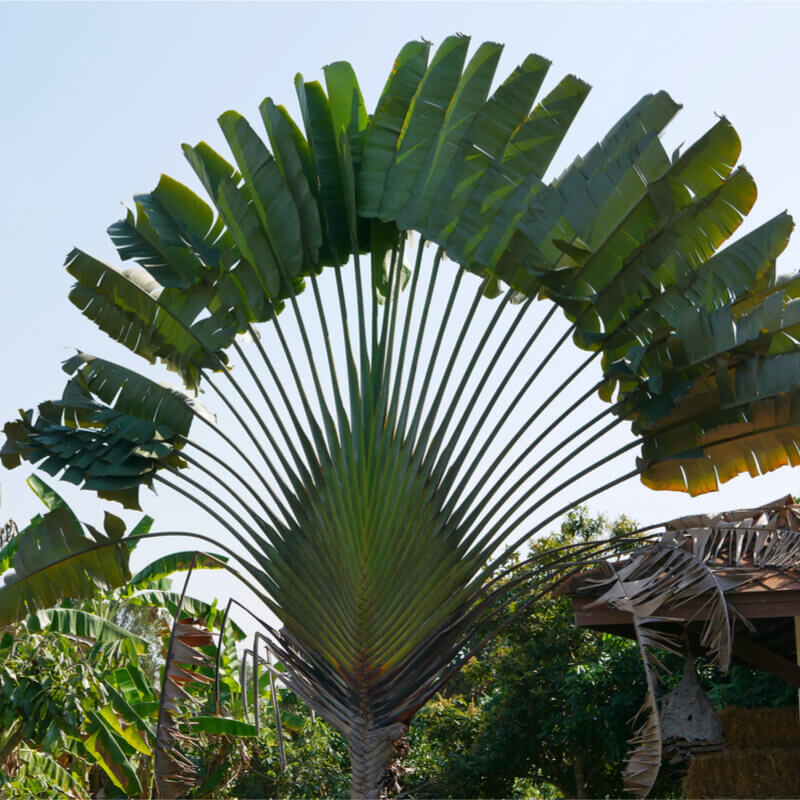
x,y
97,98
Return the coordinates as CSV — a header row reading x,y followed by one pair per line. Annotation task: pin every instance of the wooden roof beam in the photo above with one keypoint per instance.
x,y
760,657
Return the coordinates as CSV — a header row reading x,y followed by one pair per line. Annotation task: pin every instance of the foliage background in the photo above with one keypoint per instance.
x,y
545,703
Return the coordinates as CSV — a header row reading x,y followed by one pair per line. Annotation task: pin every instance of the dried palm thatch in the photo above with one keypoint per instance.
x,y
760,727
698,559
762,757
755,772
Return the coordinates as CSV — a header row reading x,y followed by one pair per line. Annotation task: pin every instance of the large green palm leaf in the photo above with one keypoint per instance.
x,y
367,509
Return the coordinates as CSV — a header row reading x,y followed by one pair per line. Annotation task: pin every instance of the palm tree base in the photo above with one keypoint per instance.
x,y
371,752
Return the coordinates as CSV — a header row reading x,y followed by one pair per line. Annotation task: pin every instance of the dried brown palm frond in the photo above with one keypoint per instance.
x,y
780,514
665,575
175,773
746,541
645,746
633,595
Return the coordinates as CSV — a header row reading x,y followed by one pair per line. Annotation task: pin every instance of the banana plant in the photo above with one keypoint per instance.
x,y
385,446
76,681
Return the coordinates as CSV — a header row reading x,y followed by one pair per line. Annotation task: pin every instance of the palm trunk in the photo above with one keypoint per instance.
x,y
371,751
12,738
580,779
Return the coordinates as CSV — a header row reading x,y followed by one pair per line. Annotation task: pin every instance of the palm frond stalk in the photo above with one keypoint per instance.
x,y
389,446
174,772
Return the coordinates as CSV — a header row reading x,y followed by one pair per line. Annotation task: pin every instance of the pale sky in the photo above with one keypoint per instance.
x,y
97,99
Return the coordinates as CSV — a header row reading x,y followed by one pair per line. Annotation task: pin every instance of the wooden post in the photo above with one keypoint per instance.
x,y
797,652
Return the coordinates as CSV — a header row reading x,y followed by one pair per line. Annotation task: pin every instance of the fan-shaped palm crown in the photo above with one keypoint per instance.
x,y
369,511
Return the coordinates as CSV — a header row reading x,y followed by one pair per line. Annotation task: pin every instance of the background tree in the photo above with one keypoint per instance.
x,y
377,465
550,703
546,709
